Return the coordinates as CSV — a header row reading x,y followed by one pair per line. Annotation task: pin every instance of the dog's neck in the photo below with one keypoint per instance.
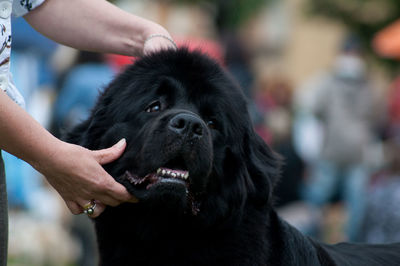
x,y
289,246
269,236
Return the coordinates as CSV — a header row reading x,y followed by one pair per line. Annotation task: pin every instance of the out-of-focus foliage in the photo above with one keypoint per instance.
x,y
363,17
230,14
370,15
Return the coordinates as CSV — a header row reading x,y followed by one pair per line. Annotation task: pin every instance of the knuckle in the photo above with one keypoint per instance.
x,y
103,185
114,203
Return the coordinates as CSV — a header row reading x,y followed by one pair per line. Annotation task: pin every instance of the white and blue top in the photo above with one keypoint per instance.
x,y
7,8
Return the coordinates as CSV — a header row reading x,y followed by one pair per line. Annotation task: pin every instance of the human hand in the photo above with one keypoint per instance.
x,y
158,41
76,173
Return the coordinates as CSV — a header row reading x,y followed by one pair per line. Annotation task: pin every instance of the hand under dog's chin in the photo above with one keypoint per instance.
x,y
165,187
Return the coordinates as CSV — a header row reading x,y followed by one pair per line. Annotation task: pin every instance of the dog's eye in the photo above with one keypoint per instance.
x,y
153,107
211,123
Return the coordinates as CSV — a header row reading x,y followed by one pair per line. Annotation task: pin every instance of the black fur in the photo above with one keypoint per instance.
x,y
225,217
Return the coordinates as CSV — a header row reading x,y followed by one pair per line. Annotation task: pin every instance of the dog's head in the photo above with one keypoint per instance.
x,y
191,145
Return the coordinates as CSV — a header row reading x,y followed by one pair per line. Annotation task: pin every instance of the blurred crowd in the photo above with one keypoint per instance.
x,y
331,112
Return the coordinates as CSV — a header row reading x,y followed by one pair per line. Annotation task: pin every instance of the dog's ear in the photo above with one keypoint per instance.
x,y
255,168
263,166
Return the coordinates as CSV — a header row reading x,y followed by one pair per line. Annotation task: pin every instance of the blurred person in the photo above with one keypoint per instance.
x,y
393,110
237,61
279,122
343,103
74,171
79,90
272,93
386,43
275,99
381,223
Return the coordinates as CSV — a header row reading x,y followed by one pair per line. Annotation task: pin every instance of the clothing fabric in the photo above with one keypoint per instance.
x,y
346,107
8,8
328,179
79,92
3,215
382,220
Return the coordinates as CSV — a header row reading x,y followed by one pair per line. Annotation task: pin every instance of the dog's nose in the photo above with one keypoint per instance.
x,y
186,125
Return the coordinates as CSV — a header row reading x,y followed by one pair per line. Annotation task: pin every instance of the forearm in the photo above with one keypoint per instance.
x,y
22,136
75,172
93,25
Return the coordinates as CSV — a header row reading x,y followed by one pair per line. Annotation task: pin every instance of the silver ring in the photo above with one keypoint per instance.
x,y
88,209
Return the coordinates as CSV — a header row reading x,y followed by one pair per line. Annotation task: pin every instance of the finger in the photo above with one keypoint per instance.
x,y
133,199
116,197
152,48
119,192
158,42
113,194
74,207
100,207
110,154
106,199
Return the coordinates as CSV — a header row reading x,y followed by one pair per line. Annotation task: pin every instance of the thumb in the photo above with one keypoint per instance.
x,y
110,154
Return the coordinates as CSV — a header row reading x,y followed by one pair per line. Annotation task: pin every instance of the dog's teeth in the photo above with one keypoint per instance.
x,y
172,173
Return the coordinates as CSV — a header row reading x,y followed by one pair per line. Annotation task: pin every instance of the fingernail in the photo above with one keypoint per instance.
x,y
120,143
134,199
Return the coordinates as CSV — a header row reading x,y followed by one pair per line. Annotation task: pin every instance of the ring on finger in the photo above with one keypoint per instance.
x,y
88,208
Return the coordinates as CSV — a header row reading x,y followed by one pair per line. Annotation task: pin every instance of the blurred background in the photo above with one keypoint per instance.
x,y
323,80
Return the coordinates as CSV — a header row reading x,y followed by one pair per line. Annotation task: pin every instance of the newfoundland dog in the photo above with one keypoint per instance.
x,y
203,178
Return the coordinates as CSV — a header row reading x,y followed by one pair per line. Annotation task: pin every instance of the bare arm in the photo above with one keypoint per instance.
x,y
96,25
73,171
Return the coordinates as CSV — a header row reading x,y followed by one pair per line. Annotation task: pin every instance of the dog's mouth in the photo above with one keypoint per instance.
x,y
162,175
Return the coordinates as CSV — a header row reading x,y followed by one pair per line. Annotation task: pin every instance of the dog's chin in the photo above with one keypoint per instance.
x,y
165,188
166,195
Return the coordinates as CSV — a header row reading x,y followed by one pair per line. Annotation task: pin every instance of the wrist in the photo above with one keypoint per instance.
x,y
49,155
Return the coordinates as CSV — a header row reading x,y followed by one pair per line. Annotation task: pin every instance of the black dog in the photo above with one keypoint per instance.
x,y
203,177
